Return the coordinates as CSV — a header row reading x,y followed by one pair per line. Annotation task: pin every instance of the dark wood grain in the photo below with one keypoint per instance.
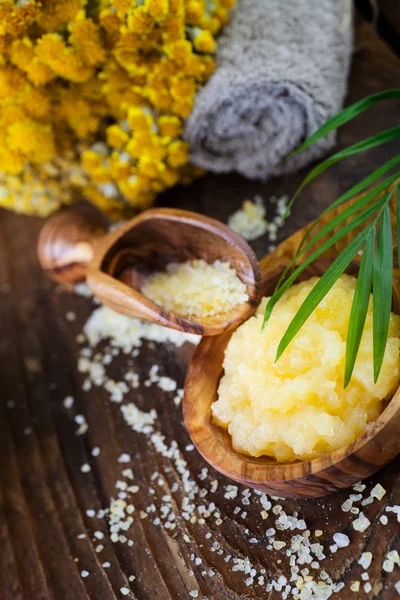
x,y
44,495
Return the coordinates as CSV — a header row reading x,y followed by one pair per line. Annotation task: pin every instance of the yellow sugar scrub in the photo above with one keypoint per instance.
x,y
196,288
297,408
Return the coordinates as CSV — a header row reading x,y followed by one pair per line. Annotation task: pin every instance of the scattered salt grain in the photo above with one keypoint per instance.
x,y
68,402
383,519
365,560
359,487
393,555
355,586
388,566
95,451
378,492
250,220
318,532
85,574
141,422
124,591
341,540
346,506
85,468
124,458
362,523
106,565
126,333
194,593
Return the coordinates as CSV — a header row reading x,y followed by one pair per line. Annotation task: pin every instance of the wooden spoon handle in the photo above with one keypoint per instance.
x,y
66,242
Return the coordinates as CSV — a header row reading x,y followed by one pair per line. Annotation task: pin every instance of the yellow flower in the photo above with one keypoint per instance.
x,y
169,177
157,8
179,51
110,22
170,126
151,167
212,25
145,144
15,20
22,52
10,113
204,42
91,160
11,82
85,36
183,108
32,139
222,14
194,12
110,207
178,154
11,162
194,67
79,115
209,67
173,29
140,21
139,119
93,95
63,60
116,137
57,13
120,167
38,73
159,97
123,7
183,89
36,102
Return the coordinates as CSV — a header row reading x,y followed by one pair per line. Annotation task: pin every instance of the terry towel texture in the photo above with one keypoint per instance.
x,y
281,72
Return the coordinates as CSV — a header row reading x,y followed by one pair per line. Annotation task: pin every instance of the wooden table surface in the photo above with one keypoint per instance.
x,y
44,495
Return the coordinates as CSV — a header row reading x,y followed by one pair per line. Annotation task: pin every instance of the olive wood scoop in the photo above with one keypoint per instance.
x,y
375,447
74,246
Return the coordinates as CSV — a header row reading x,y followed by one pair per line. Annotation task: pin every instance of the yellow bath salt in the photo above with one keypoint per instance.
x,y
297,408
196,288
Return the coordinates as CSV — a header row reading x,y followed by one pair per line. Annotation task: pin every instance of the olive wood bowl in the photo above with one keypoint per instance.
x,y
73,245
375,447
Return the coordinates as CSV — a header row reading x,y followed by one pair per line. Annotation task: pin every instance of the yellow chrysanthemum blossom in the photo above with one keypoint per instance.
x,y
93,97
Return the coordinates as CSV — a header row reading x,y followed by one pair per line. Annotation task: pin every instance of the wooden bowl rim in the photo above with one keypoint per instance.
x,y
135,302
273,471
202,430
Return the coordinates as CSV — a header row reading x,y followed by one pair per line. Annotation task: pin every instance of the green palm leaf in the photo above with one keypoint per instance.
x,y
347,114
359,307
358,220
336,221
321,288
398,226
382,281
367,144
357,189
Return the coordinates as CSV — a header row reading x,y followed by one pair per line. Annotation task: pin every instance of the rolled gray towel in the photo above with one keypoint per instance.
x,y
281,72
